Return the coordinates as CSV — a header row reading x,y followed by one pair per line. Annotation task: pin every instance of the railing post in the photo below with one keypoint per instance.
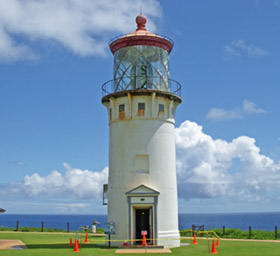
x,y
42,226
68,227
276,230
17,225
250,231
109,238
202,229
193,229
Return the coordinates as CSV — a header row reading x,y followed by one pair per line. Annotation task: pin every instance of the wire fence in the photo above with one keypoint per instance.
x,y
100,228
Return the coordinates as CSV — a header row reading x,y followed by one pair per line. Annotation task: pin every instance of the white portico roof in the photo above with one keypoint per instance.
x,y
142,190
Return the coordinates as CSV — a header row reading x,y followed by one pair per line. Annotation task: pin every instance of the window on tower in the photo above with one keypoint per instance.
x,y
141,109
141,164
161,110
121,111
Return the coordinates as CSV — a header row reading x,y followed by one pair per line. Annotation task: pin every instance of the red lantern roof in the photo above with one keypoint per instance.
x,y
141,36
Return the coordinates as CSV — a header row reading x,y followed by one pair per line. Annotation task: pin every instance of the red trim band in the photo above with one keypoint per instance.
x,y
141,40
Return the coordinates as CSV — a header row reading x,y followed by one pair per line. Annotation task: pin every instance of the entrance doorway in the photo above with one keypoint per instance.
x,y
142,223
142,213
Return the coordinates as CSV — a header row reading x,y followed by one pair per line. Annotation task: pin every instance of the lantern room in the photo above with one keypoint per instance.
x,y
141,61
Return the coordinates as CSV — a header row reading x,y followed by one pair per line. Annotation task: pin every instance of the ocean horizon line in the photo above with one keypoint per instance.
x,y
104,214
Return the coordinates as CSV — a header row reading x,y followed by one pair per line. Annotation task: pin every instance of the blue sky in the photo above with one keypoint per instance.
x,y
54,59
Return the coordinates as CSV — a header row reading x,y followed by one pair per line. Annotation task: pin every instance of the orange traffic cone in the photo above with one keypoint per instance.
x,y
144,240
194,239
86,238
214,249
70,242
76,246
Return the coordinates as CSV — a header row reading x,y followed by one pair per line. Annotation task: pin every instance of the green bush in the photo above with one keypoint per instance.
x,y
32,229
255,234
239,234
6,229
185,233
98,231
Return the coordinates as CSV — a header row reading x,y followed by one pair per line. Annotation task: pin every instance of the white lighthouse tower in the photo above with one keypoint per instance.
x,y
141,101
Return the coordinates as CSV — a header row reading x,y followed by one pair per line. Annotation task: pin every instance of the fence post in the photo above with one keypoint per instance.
x,y
68,227
203,229
42,226
224,230
17,225
275,230
250,231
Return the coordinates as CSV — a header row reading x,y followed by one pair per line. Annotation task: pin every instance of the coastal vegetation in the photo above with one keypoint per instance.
x,y
37,229
235,233
241,234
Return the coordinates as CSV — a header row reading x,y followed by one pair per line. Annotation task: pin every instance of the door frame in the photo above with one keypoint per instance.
x,y
142,197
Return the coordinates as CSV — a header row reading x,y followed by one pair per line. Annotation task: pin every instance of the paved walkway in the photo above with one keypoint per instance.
x,y
11,244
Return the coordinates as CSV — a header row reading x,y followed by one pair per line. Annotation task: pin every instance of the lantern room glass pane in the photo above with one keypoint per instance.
x,y
141,67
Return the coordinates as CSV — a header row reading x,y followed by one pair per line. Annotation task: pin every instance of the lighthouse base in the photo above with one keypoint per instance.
x,y
166,239
169,239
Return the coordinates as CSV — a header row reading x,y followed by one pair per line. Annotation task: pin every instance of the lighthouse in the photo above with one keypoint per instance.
x,y
141,101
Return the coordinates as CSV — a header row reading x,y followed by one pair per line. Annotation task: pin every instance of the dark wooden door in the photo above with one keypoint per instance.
x,y
142,222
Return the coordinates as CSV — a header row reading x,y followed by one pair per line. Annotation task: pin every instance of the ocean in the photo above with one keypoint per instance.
x,y
261,221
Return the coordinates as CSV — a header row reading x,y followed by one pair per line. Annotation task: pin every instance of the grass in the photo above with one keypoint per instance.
x,y
42,244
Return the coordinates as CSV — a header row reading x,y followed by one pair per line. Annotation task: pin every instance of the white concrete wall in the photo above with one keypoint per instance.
x,y
151,135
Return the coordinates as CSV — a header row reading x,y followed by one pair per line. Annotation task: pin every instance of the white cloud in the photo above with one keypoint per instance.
x,y
207,168
77,183
242,48
210,167
251,108
248,108
10,51
82,27
222,114
68,208
44,206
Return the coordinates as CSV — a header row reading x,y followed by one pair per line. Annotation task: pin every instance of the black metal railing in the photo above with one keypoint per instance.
x,y
141,83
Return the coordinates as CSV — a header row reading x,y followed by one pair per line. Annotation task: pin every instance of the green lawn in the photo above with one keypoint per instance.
x,y
41,244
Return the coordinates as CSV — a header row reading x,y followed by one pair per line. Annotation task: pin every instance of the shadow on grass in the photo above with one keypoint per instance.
x,y
65,246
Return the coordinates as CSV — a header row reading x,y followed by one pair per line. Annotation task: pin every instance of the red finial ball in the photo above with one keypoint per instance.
x,y
141,22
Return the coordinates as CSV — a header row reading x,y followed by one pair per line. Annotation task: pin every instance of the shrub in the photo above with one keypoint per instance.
x,y
32,229
239,234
